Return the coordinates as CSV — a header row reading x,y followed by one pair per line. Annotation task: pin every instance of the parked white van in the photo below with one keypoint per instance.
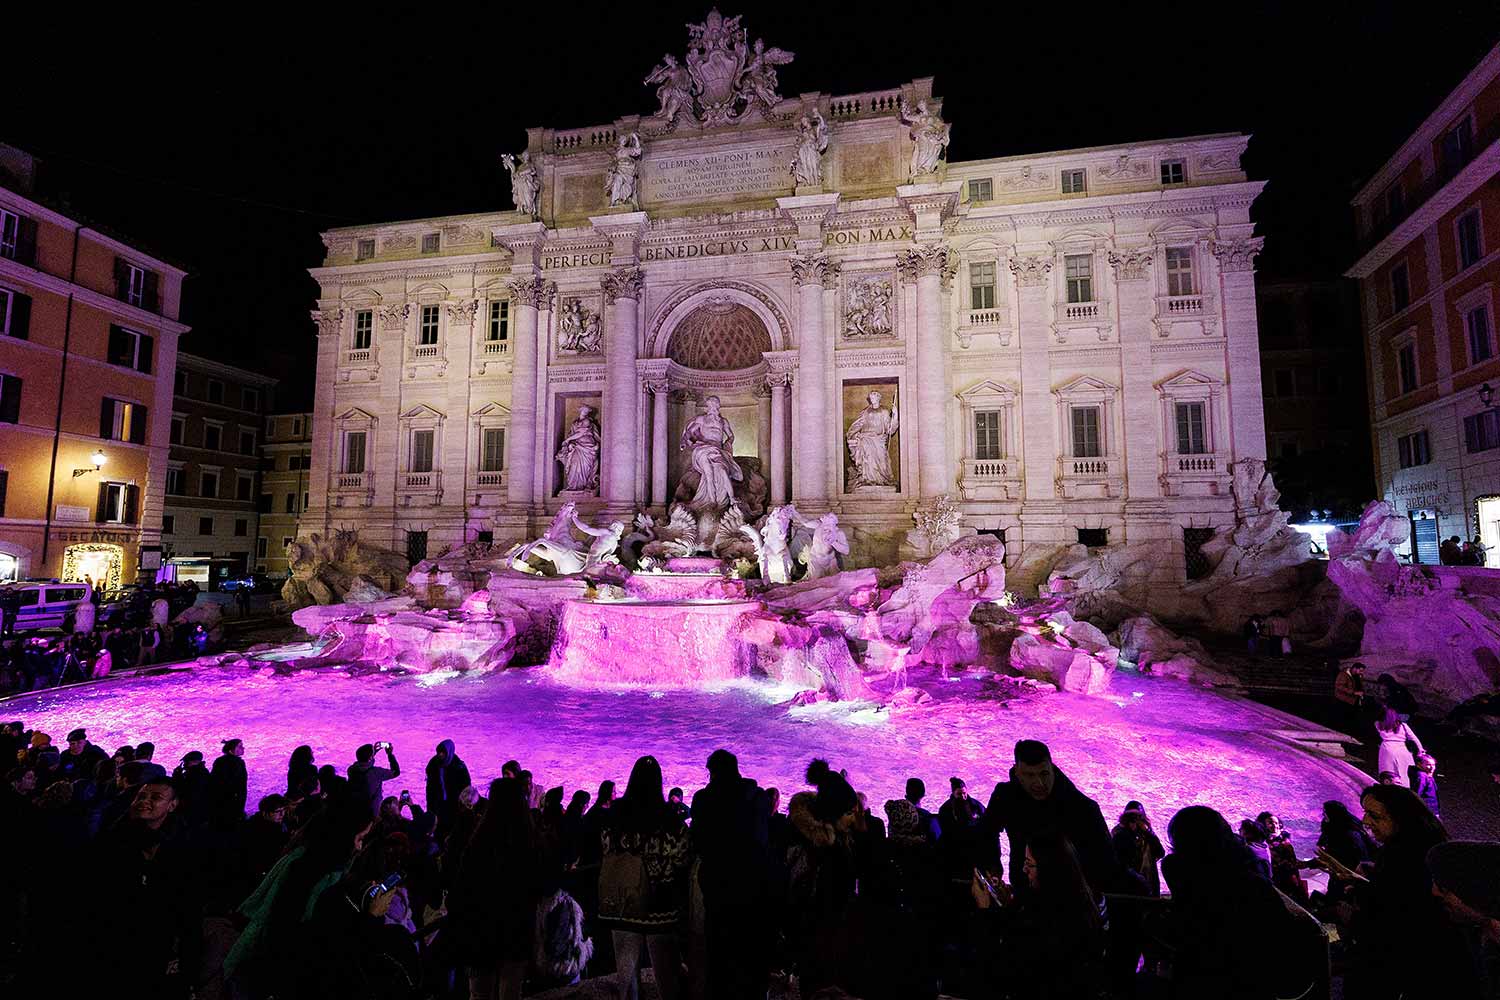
x,y
43,604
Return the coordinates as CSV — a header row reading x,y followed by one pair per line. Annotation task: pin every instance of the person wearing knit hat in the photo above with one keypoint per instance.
x,y
1466,877
80,758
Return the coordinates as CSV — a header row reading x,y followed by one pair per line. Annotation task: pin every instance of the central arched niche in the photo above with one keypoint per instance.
x,y
719,336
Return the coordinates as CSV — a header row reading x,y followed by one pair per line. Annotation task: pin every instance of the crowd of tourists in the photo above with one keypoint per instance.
x,y
122,876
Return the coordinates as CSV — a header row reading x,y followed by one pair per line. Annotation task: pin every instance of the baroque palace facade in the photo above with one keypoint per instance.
x,y
1064,343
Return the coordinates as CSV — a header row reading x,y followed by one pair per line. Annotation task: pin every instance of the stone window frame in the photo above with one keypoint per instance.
x,y
217,471
1086,390
1193,386
421,417
1080,177
974,187
1479,297
1477,212
494,416
1399,343
433,296
351,421
220,426
991,396
1098,311
994,285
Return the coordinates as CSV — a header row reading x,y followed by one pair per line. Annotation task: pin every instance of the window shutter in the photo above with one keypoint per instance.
x,y
26,241
148,344
4,486
122,278
101,510
132,505
138,424
119,345
20,315
10,400
106,418
151,293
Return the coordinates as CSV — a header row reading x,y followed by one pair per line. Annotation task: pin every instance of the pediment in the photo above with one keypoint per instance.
x,y
493,410
1084,384
422,410
988,389
1189,379
355,415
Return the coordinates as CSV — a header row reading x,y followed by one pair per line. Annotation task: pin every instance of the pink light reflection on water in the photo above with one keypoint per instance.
x,y
1172,746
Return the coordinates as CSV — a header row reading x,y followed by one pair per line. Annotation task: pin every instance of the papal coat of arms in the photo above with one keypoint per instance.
x,y
724,77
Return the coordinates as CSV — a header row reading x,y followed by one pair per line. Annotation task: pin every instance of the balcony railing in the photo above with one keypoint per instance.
x,y
491,348
985,318
420,480
990,479
875,102
362,356
1183,305
489,478
598,137
1192,463
426,352
1100,477
351,480
1075,311
1089,468
990,468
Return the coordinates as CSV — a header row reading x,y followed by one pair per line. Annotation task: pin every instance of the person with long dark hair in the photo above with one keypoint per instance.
x,y
643,881
227,786
1404,943
492,906
299,767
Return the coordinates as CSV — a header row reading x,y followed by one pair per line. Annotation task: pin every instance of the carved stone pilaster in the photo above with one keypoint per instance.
x,y
927,258
395,317
1031,270
328,320
783,379
461,313
548,300
656,386
625,283
1237,255
812,269
529,292
1130,264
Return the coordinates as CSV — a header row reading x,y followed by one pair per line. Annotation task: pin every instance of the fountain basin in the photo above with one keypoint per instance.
x,y
653,644
685,587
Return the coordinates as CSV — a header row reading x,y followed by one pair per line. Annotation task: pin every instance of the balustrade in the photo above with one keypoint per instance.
x,y
1081,310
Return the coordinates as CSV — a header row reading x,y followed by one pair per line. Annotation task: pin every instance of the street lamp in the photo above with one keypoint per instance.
x,y
98,458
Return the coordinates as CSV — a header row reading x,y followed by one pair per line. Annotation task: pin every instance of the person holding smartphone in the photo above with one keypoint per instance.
x,y
366,780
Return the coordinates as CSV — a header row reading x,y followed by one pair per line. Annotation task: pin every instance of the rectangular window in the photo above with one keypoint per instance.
x,y
241,527
1093,537
1406,368
1477,327
365,250
1192,429
122,421
1073,181
286,540
215,391
208,484
987,435
205,526
247,442
179,382
1458,146
305,503
130,349
1179,271
133,285
421,451
430,243
427,330
17,237
1395,202
296,427
1282,380
982,189
244,487
1400,288
262,546
119,503
416,546
263,506
213,436
174,436
364,326
174,482
499,328
1078,269
1412,450
15,314
354,452
1086,441
982,286
1172,172
492,449
1482,431
291,503
168,524
10,399
1470,239
250,399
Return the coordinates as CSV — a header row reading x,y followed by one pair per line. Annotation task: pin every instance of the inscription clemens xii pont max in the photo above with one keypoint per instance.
x,y
707,176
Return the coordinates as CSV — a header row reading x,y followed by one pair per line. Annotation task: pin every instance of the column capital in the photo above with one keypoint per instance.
x,y
656,386
625,283
778,380
814,269
1031,270
328,320
1237,255
1130,263
529,291
924,259
461,313
394,317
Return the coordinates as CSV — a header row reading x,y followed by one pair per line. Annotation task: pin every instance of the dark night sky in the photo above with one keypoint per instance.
x,y
229,151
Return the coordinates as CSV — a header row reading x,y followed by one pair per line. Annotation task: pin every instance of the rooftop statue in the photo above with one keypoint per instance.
x,y
525,186
619,184
930,133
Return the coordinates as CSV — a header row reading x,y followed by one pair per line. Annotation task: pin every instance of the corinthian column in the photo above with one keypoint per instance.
x,y
814,363
658,389
1039,446
1140,406
778,382
527,294
1247,418
927,266
622,292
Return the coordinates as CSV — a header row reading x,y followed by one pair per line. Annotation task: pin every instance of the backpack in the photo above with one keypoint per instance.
x,y
623,886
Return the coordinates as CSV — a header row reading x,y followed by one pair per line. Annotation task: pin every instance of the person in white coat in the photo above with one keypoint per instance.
x,y
1397,743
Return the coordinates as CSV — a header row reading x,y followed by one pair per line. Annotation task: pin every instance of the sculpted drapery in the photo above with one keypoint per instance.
x,y
711,441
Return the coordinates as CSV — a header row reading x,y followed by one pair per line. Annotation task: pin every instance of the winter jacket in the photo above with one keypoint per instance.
x,y
731,834
444,782
665,847
367,782
227,790
1066,811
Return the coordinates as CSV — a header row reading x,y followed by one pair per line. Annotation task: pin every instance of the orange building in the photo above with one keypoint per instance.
x,y
1429,222
88,346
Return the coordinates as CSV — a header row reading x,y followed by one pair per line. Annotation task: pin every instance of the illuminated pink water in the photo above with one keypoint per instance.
x,y
1162,742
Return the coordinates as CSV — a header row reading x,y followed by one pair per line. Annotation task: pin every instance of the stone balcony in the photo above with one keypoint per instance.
x,y
1082,312
426,353
1090,478
420,488
358,364
990,479
491,357
352,489
977,322
1173,306
1199,475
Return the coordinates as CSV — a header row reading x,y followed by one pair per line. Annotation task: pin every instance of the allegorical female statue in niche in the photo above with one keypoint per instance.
x,y
579,454
711,441
868,449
